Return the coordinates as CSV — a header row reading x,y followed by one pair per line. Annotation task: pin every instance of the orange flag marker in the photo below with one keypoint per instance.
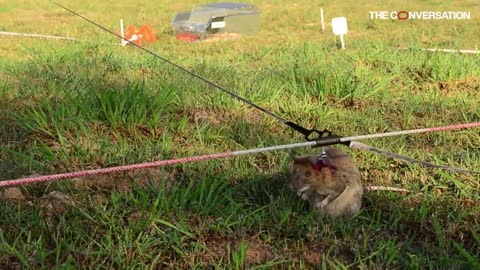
x,y
145,33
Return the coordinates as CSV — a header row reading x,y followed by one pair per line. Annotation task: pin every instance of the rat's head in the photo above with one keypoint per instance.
x,y
303,171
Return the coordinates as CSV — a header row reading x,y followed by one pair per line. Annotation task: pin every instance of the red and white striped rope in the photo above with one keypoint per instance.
x,y
45,178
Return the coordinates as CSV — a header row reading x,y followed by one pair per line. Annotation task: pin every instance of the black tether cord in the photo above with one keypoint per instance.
x,y
307,133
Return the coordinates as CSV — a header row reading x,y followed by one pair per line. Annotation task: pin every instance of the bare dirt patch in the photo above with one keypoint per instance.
x,y
313,254
123,182
467,85
257,252
137,216
218,117
12,194
56,203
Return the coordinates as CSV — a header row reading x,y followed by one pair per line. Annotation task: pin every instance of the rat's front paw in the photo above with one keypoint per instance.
x,y
305,196
322,203
304,192
319,205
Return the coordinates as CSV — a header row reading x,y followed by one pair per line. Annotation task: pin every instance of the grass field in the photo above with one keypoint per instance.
x,y
67,106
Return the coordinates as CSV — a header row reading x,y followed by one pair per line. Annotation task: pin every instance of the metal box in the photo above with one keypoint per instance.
x,y
228,19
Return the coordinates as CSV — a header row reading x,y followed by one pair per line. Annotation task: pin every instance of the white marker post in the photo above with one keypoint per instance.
x,y
322,21
122,41
339,26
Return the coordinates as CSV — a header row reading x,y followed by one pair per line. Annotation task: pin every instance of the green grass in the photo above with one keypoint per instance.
x,y
68,106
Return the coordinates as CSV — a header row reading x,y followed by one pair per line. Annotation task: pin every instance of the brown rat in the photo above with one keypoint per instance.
x,y
330,181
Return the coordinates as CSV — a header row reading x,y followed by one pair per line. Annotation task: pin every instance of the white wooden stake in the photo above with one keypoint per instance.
x,y
322,20
122,41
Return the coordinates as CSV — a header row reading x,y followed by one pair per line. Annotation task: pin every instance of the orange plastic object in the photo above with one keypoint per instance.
x,y
145,33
